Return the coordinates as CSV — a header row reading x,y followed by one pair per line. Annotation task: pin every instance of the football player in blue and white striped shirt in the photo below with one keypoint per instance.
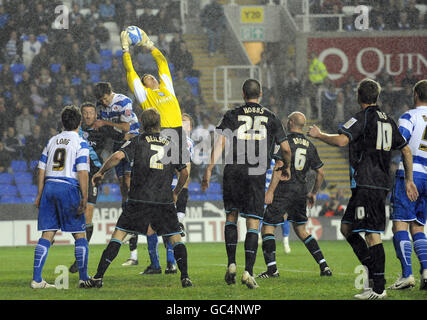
x,y
413,127
62,195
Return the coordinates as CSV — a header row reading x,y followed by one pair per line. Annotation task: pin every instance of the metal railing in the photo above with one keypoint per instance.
x,y
306,20
237,72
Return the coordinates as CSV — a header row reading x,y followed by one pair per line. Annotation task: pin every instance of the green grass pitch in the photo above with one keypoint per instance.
x,y
299,275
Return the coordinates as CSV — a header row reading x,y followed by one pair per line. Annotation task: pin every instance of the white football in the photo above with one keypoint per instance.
x,y
135,34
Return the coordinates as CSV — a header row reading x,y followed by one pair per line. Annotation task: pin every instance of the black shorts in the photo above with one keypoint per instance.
x,y
92,192
242,192
179,139
366,210
136,217
288,199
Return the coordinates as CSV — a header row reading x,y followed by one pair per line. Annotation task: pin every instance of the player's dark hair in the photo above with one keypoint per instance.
x,y
420,90
251,89
150,120
101,89
368,91
87,105
190,118
71,117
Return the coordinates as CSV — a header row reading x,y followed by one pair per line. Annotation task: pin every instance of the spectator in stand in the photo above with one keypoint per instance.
x,y
6,118
45,121
127,16
6,75
181,86
12,143
73,59
403,23
413,14
175,44
317,73
44,83
188,103
101,34
334,206
406,100
75,14
24,123
4,17
79,30
379,23
293,92
213,19
163,23
92,52
268,74
163,45
329,108
92,17
350,102
40,61
409,80
183,61
107,11
147,21
328,6
5,158
13,48
388,95
30,48
37,100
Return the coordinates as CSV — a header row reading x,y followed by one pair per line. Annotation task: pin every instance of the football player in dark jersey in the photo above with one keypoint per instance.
x,y
96,139
371,135
251,131
292,197
150,207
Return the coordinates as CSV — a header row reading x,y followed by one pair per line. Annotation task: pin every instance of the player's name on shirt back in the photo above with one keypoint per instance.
x,y
159,139
259,110
299,140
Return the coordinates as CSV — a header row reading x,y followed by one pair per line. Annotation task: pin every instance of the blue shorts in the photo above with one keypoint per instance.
x,y
405,210
58,208
122,168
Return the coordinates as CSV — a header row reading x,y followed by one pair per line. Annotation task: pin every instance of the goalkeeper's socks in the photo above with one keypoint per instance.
x,y
403,247
269,251
169,250
420,247
251,246
107,257
40,254
81,251
313,247
361,250
230,235
89,231
153,250
180,253
378,267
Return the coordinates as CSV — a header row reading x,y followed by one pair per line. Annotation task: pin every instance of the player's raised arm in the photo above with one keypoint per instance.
x,y
111,162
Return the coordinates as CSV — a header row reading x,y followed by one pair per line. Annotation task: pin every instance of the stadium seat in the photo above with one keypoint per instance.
x,y
114,188
322,196
93,67
10,199
1,67
55,67
171,69
27,189
9,190
6,178
214,196
194,82
214,187
25,37
42,38
119,53
106,54
95,78
17,78
28,199
23,178
106,65
76,81
194,187
109,198
18,165
17,68
34,164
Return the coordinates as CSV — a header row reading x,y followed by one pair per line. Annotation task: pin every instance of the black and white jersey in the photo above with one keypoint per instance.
x,y
252,131
373,136
304,158
152,173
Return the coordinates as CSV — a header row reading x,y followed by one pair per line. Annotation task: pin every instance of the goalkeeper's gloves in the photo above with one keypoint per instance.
x,y
146,42
125,41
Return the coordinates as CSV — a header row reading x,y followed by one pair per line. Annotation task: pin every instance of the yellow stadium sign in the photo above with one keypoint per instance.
x,y
251,15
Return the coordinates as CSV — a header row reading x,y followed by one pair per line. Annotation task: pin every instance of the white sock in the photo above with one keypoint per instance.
x,y
134,254
181,216
286,241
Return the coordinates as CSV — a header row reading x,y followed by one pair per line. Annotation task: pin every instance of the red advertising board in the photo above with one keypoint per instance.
x,y
368,57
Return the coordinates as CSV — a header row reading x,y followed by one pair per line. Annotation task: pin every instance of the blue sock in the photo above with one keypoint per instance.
x,y
40,255
286,229
170,255
260,226
81,251
153,250
403,247
420,247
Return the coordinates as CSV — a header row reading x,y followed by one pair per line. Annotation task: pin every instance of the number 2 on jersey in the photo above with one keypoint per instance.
x,y
59,159
155,158
256,124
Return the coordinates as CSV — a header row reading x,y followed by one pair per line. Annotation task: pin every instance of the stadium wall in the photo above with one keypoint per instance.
x,y
204,222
